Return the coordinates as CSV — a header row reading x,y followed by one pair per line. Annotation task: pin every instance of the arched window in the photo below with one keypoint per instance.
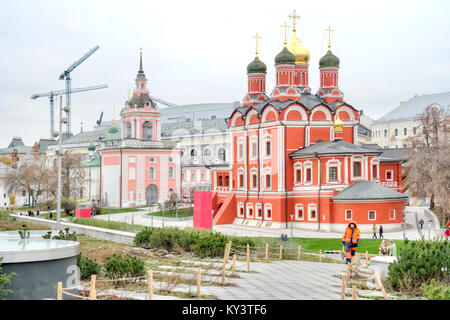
x,y
221,154
128,131
207,152
171,172
132,173
193,153
220,181
171,194
147,131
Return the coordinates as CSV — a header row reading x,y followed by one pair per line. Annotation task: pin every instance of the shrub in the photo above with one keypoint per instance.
x,y
87,267
435,292
68,205
419,262
203,243
61,235
117,267
5,280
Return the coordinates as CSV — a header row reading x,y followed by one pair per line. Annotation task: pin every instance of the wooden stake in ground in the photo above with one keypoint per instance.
x,y
367,258
377,277
320,255
357,263
267,251
248,257
299,252
355,293
281,251
59,293
92,293
225,258
199,280
343,287
233,267
150,284
349,271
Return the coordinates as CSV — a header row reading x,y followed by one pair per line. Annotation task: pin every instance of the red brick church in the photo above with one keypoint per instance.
x,y
295,155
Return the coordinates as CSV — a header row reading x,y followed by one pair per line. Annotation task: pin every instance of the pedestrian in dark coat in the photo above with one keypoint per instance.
x,y
380,231
421,222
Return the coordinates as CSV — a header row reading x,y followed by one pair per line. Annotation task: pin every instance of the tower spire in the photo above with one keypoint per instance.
x,y
329,37
140,62
114,116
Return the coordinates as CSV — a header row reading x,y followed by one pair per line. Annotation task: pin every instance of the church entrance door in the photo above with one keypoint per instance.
x,y
151,194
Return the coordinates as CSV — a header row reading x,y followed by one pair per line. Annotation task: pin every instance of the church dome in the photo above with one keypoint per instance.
x,y
329,60
256,66
285,57
91,147
300,52
113,130
141,100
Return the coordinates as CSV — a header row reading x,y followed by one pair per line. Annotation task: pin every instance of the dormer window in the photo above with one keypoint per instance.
x,y
147,103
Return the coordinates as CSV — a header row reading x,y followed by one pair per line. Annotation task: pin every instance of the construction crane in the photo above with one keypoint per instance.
x,y
168,104
53,94
99,121
66,75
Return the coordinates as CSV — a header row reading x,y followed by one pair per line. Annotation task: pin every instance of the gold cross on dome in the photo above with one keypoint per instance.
x,y
285,26
257,37
329,36
294,17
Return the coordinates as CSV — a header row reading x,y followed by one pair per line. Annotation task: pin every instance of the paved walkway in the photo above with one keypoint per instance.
x,y
140,218
287,280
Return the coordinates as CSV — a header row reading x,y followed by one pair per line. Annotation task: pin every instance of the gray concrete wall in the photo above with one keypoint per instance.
x,y
99,233
39,280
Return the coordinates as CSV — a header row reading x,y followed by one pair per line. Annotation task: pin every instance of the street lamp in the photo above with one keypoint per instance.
x,y
59,135
403,224
162,211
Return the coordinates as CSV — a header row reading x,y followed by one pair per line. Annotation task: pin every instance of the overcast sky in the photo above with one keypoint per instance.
x,y
198,51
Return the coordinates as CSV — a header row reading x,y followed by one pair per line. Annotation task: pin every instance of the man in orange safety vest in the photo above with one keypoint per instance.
x,y
350,241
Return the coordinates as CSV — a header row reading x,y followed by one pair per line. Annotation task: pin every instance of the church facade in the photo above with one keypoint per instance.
x,y
137,167
294,156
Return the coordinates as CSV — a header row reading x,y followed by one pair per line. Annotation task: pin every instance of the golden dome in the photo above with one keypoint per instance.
x,y
300,52
338,124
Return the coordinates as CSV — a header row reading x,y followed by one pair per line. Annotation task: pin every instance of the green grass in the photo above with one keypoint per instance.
x,y
316,244
183,212
114,225
120,210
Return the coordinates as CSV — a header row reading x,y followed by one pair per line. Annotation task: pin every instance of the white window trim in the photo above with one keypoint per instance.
x,y
240,171
345,214
390,214
373,162
368,215
253,172
266,138
307,165
257,207
298,166
333,163
173,173
130,176
310,208
154,173
267,207
253,143
250,206
239,207
392,175
297,207
359,159
267,172
240,156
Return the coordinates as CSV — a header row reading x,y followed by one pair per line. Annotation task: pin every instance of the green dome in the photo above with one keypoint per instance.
x,y
256,66
329,60
285,57
113,130
91,147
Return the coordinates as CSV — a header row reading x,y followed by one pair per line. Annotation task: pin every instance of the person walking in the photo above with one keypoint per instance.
x,y
374,229
350,241
421,222
380,231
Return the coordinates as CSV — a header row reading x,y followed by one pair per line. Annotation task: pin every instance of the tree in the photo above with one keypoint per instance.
x,y
428,166
31,175
5,280
72,174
